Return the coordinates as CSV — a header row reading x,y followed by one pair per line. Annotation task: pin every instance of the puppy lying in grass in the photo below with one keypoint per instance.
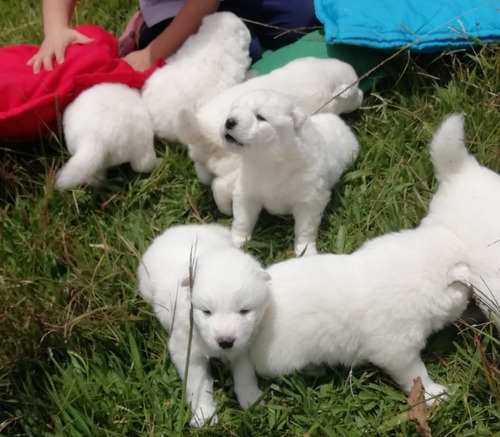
x,y
210,61
468,202
290,162
324,85
110,124
378,305
105,126
196,265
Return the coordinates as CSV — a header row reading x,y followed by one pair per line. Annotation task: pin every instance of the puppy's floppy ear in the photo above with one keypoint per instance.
x,y
187,126
299,117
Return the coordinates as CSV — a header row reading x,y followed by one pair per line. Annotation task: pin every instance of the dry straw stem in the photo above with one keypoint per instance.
x,y
192,273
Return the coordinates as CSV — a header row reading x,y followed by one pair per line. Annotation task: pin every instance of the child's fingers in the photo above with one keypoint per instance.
x,y
82,39
47,62
45,56
37,65
38,60
59,55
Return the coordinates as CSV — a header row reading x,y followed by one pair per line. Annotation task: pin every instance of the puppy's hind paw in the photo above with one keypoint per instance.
x,y
158,162
435,393
203,416
249,397
305,249
238,240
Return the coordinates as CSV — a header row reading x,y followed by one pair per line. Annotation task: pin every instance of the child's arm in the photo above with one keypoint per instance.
x,y
58,34
186,23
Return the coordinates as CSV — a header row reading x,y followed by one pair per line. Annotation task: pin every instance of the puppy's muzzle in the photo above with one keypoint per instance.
x,y
230,123
225,342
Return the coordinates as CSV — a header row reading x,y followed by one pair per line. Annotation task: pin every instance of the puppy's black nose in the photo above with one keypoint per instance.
x,y
230,123
226,343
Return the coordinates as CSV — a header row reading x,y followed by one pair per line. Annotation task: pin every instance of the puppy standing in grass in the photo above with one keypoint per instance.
x,y
468,202
228,291
378,304
324,85
290,162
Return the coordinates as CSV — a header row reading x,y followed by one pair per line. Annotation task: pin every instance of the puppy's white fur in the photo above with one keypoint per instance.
x,y
289,163
209,62
311,82
229,295
378,304
105,126
468,202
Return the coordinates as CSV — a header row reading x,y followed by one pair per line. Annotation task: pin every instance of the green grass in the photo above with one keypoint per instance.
x,y
82,354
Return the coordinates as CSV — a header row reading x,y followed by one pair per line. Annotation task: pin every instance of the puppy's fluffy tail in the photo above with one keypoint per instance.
x,y
447,149
82,167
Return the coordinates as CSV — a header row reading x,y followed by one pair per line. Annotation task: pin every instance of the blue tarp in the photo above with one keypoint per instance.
x,y
430,25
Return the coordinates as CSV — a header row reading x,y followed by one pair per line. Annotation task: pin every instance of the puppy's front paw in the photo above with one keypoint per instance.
x,y
249,397
435,393
158,162
203,415
238,240
305,249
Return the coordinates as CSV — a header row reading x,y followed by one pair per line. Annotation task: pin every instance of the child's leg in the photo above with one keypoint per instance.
x,y
148,34
287,14
128,40
282,14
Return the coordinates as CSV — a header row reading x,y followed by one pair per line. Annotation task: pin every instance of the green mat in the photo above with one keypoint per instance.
x,y
313,44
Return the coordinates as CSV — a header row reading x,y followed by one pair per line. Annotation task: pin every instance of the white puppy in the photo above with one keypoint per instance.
x,y
289,163
468,202
210,61
105,126
228,292
322,85
378,304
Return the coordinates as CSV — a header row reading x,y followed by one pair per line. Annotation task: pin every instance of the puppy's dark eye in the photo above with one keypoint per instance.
x,y
207,312
260,118
244,311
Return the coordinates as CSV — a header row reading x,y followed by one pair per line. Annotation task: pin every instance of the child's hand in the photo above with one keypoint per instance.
x,y
140,60
54,46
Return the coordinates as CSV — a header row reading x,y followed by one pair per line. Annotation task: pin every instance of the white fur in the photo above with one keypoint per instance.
x,y
105,126
289,163
210,61
378,304
229,284
311,82
468,202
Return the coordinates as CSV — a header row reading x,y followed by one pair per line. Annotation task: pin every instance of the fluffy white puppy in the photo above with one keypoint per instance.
x,y
210,61
228,291
378,305
289,163
105,126
468,202
324,85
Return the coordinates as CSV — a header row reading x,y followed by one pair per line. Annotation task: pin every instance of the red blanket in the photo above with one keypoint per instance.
x,y
31,104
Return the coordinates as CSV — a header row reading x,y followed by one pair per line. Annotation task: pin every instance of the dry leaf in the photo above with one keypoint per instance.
x,y
418,408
